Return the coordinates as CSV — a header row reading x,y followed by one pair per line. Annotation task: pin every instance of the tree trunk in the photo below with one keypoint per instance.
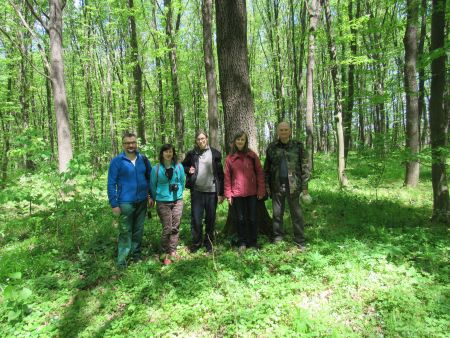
x,y
208,55
420,51
438,115
298,65
337,97
178,110
58,85
137,74
231,21
314,11
412,109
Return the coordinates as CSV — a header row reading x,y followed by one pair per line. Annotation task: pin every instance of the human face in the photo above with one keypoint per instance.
x,y
284,132
202,141
129,145
168,155
240,142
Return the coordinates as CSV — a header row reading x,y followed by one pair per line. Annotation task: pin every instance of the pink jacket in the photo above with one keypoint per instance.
x,y
244,175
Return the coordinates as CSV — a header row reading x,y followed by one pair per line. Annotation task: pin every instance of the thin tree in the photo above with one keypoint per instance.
x,y
337,96
314,10
412,108
438,115
208,55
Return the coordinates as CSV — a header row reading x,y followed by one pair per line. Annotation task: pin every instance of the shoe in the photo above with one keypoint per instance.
x,y
278,240
167,261
301,247
242,248
193,249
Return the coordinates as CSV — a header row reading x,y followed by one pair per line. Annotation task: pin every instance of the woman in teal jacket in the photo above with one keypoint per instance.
x,y
166,187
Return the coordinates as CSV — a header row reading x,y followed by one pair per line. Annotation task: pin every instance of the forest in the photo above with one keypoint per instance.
x,y
364,85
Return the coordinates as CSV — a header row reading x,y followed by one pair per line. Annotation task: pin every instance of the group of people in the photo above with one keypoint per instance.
x,y
134,185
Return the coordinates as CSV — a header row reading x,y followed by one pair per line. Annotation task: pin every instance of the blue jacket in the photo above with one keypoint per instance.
x,y
127,183
159,186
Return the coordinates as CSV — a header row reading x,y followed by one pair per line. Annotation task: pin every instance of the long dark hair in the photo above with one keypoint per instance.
x,y
165,147
239,134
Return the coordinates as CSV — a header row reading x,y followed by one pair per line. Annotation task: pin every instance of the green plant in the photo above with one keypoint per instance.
x,y
16,297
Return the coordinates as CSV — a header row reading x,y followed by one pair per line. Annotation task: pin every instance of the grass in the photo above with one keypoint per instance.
x,y
375,266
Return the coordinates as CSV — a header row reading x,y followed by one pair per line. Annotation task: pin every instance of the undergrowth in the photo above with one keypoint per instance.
x,y
375,266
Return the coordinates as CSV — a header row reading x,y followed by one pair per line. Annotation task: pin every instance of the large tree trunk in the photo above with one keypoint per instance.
x,y
438,116
412,109
337,97
208,54
171,45
231,21
314,11
58,85
137,73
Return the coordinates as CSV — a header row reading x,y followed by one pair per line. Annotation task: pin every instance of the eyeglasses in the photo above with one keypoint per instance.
x,y
129,143
201,138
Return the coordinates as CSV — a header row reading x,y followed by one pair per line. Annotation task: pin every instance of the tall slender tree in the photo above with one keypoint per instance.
x,y
438,115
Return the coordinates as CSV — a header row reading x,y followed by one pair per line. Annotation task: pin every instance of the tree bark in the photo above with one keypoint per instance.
x,y
337,97
208,55
231,21
438,115
58,85
137,74
314,11
178,110
422,106
412,109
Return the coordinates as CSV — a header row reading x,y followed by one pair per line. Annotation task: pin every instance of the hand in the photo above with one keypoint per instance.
x,y
260,197
151,202
221,199
191,170
116,211
268,192
230,200
305,197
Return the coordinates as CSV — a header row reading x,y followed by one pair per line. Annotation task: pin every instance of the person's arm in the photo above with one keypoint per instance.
x,y
220,175
305,170
267,169
113,175
153,180
227,181
261,187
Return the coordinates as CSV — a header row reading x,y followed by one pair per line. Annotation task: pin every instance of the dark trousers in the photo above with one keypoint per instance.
x,y
278,204
170,215
247,229
131,229
203,203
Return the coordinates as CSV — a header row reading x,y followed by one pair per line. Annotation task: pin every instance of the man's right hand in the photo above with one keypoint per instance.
x,y
116,211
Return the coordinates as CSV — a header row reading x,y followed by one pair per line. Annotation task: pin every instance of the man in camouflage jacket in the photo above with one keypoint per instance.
x,y
287,174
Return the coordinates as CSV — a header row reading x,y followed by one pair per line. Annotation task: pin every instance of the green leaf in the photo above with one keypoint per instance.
x,y
25,293
15,275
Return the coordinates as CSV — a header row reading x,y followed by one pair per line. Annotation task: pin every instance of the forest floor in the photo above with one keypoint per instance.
x,y
375,265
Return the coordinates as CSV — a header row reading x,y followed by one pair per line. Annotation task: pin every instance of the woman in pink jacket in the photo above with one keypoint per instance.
x,y
244,183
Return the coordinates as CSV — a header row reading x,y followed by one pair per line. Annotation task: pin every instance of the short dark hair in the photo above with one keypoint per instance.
x,y
236,136
128,134
165,147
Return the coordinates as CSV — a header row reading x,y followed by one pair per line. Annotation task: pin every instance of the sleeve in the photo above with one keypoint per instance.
x,y
227,178
113,174
187,162
306,172
153,178
220,174
267,169
261,188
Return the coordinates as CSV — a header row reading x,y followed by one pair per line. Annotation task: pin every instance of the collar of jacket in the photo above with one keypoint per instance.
x,y
122,154
238,154
283,145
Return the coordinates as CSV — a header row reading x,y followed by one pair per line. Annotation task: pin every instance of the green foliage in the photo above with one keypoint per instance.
x,y
374,267
16,297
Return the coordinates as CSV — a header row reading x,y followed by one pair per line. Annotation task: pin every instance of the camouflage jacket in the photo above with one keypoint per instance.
x,y
296,159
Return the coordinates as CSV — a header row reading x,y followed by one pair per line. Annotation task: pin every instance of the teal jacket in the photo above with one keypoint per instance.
x,y
160,185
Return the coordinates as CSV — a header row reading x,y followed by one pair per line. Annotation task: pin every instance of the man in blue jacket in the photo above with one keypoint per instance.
x,y
128,194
